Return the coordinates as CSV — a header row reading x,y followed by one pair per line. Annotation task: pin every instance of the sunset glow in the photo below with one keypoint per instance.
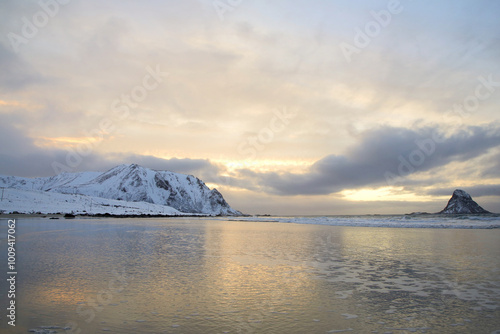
x,y
288,102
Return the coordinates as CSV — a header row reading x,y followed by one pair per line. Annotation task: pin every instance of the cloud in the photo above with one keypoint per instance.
x,y
491,166
474,191
16,73
258,203
226,78
197,167
380,152
23,158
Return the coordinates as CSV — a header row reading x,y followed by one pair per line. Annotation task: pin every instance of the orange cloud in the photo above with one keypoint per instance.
x,y
9,103
64,142
18,104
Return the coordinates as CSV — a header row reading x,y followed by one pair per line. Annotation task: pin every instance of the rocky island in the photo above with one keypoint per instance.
x,y
462,203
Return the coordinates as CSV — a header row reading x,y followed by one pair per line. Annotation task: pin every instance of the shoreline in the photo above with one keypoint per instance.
x,y
103,215
62,215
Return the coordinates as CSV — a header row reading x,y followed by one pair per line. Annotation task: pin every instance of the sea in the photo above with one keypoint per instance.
x,y
335,274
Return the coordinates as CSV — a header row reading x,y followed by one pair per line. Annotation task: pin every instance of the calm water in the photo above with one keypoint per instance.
x,y
216,276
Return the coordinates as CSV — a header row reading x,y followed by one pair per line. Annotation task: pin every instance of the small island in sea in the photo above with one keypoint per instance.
x,y
462,203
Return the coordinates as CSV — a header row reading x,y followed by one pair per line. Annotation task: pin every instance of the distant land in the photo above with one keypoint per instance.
x,y
132,190
462,203
122,190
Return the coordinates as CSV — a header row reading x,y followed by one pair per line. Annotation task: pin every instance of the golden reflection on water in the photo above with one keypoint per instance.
x,y
67,294
254,268
212,276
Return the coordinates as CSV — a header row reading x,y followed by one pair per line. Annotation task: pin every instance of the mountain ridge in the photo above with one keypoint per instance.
x,y
133,183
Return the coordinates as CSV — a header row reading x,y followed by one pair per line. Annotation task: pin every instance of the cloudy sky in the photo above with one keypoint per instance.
x,y
287,107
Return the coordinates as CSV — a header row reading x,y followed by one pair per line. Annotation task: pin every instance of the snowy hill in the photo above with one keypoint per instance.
x,y
131,183
461,202
28,201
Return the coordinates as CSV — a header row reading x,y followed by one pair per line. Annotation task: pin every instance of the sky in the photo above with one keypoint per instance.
x,y
286,107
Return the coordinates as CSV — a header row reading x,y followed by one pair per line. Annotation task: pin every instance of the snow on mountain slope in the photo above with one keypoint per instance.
x,y
133,183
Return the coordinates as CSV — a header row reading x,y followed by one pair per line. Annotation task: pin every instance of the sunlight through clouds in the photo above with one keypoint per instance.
x,y
427,67
385,193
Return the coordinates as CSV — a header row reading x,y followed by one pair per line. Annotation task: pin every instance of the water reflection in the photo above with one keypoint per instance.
x,y
213,276
255,273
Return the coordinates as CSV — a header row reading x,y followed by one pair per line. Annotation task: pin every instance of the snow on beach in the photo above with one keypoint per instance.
x,y
24,201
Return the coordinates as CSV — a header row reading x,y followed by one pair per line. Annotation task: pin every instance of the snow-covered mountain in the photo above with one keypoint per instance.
x,y
132,183
45,202
462,202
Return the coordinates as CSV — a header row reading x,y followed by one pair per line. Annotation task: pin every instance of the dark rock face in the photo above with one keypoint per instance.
x,y
462,202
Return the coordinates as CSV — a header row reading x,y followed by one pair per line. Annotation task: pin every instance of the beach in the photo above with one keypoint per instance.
x,y
216,275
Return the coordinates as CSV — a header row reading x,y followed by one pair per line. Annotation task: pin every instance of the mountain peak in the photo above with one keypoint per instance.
x,y
461,193
134,183
125,166
461,202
